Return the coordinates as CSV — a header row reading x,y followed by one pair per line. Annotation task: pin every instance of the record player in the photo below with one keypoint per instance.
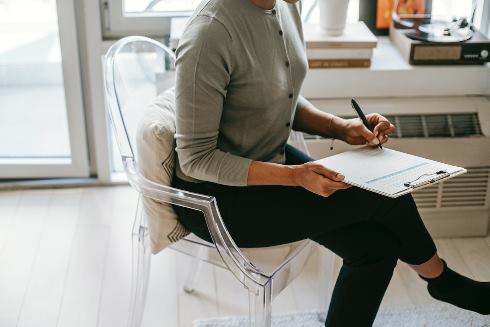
x,y
425,39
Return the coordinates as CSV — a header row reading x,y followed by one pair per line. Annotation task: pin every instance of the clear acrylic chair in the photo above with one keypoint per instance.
x,y
136,70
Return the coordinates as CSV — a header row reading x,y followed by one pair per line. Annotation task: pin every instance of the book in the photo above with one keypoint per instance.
x,y
339,53
339,63
356,35
388,172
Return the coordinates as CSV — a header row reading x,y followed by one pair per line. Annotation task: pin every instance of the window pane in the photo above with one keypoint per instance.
x,y
458,8
33,120
311,13
155,6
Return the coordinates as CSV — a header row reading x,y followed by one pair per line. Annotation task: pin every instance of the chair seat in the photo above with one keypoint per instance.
x,y
267,259
196,239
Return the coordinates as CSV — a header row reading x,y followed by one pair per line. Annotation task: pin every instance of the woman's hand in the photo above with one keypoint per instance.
x,y
318,179
354,132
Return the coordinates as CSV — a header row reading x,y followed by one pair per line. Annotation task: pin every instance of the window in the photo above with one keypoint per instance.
x,y
41,118
311,13
152,7
152,17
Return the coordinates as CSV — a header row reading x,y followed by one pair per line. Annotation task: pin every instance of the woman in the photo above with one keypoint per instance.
x,y
240,66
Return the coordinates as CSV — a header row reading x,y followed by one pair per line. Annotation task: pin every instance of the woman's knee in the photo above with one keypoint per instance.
x,y
403,206
363,244
381,249
399,213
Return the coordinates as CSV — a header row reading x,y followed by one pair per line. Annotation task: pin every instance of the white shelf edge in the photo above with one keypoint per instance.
x,y
390,75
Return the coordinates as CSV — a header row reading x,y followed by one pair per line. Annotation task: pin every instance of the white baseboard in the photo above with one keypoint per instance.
x,y
457,223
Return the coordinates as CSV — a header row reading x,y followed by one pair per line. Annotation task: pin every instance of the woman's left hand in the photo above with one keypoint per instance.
x,y
356,133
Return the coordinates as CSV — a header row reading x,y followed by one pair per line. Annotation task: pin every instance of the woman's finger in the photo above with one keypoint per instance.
x,y
375,118
380,123
368,135
327,173
333,185
358,140
384,126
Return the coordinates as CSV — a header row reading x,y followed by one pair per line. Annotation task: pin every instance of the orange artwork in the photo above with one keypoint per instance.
x,y
385,7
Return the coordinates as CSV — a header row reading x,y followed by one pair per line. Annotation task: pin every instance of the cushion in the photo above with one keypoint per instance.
x,y
155,156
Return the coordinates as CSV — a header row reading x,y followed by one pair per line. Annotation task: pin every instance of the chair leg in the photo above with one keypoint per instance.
x,y
140,276
194,271
260,306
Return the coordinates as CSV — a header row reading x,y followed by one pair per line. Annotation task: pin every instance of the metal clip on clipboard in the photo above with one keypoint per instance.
x,y
439,175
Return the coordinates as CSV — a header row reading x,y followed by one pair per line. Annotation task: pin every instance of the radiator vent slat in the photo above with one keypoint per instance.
x,y
464,191
410,126
426,197
467,190
432,125
437,125
445,125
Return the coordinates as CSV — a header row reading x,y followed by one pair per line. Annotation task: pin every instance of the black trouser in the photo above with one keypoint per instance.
x,y
369,231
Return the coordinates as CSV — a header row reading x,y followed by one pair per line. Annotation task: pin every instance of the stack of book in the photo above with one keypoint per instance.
x,y
352,49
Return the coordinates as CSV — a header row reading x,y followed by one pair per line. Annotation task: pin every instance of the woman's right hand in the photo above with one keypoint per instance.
x,y
318,179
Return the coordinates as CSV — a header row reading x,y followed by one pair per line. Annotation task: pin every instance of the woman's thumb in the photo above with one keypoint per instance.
x,y
368,135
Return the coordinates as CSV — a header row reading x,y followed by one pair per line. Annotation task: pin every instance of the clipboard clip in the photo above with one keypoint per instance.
x,y
438,175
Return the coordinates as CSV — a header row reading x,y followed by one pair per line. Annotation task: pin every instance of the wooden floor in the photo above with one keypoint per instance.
x,y
65,261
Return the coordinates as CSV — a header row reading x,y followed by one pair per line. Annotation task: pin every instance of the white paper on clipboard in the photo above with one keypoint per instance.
x,y
389,172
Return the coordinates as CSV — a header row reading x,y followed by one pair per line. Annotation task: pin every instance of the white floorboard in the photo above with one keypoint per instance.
x,y
203,301
65,261
19,253
43,296
116,284
162,307
84,278
9,202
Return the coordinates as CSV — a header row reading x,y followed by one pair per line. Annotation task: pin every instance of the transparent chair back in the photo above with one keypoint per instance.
x,y
136,70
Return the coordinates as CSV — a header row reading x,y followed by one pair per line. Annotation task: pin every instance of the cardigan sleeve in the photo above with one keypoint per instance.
x,y
203,70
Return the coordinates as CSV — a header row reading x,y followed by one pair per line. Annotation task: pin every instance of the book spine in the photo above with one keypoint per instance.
x,y
339,45
339,53
339,63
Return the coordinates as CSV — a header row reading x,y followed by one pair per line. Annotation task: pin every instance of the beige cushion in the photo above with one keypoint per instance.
x,y
155,156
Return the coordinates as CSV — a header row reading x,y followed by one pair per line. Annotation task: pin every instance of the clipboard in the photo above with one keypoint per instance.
x,y
388,172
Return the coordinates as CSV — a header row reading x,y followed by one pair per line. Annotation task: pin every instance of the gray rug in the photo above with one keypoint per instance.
x,y
440,315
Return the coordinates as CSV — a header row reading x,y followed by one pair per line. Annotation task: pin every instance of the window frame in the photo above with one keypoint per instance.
x,y
117,24
485,19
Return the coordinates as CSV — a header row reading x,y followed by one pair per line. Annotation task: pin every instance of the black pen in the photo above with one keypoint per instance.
x,y
363,117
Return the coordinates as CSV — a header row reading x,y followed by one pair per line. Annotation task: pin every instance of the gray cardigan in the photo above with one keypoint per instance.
x,y
239,74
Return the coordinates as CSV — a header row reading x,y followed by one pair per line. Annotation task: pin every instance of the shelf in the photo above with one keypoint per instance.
x,y
390,75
